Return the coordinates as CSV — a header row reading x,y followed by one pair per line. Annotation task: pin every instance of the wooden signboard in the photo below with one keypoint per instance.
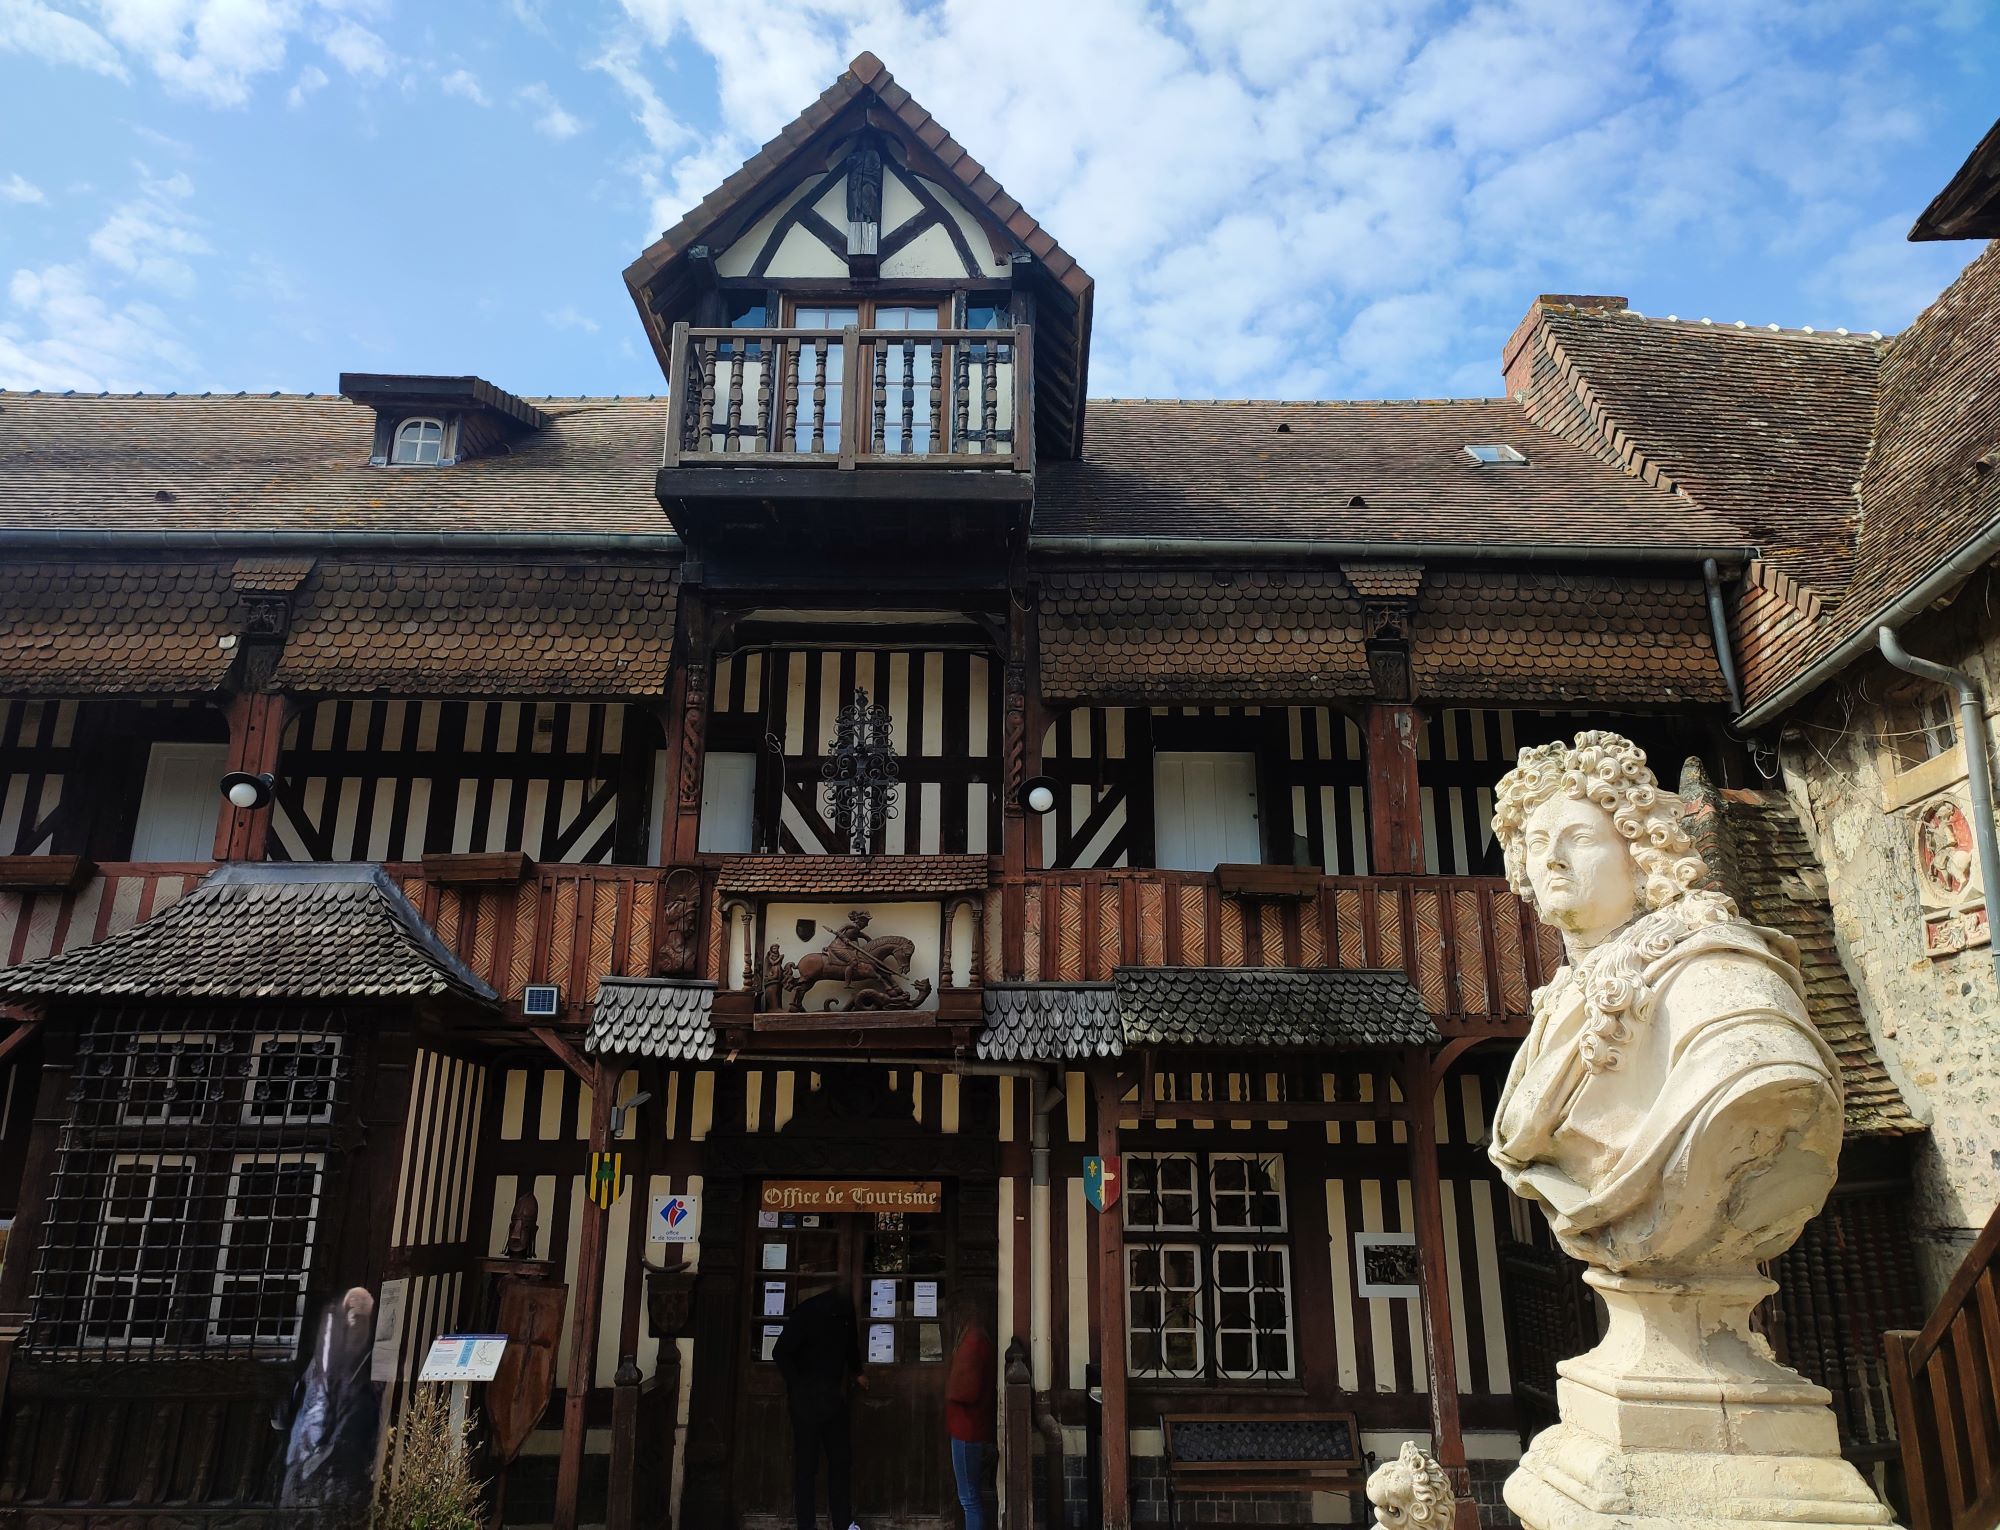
x,y
847,1195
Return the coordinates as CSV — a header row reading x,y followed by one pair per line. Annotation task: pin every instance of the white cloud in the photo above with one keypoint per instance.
x,y
358,50
664,132
311,78
17,188
28,26
149,237
570,317
1290,194
463,82
208,49
551,121
61,331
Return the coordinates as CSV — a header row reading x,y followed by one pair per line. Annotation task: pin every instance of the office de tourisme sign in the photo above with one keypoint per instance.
x,y
850,1195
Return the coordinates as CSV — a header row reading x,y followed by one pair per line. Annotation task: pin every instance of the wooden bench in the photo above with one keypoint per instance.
x,y
1262,1453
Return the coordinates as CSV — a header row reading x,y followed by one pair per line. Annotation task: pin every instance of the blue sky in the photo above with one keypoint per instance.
x,y
1297,198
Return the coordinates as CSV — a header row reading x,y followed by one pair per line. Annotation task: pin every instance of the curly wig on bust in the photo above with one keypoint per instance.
x,y
1611,771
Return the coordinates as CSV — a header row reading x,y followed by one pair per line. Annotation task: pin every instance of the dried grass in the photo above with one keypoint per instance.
x,y
432,1486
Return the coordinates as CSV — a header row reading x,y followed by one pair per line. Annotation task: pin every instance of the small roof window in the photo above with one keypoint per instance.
x,y
419,443
1494,454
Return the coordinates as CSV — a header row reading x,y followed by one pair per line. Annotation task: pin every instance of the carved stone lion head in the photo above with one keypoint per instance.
x,y
1412,1492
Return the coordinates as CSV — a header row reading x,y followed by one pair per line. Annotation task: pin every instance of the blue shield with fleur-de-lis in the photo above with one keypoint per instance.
x,y
1101,1181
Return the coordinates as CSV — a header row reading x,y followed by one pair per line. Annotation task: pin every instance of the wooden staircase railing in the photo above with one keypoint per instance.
x,y
1945,1385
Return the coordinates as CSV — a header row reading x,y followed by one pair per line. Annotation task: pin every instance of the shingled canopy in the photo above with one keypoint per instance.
x,y
1225,1007
652,1017
665,283
318,931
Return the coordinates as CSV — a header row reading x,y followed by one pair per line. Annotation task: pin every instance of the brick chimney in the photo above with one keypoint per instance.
x,y
1517,356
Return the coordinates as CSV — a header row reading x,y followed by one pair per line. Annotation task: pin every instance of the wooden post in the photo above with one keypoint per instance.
x,y
1117,1439
589,1308
1024,721
1018,1490
256,729
1395,806
687,742
618,1513
1420,1083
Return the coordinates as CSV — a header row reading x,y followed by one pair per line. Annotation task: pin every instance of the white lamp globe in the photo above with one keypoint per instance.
x,y
1040,798
243,794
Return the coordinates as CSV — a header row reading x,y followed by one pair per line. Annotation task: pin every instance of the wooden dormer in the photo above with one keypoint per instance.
x,y
862,313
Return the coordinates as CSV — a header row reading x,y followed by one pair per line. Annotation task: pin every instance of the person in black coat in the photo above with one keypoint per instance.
x,y
819,1355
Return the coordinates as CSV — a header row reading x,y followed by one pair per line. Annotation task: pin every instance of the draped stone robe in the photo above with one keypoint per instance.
x,y
1673,1109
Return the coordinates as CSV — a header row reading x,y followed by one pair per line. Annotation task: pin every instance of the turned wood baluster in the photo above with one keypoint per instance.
x,y
937,391
733,419
960,402
817,437
707,417
788,393
764,362
989,404
878,420
909,348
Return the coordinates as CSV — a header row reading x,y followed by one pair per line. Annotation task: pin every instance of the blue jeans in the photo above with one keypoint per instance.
x,y
968,1465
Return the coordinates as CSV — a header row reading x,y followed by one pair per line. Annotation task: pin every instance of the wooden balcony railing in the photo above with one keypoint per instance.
x,y
1945,1385
958,398
1472,950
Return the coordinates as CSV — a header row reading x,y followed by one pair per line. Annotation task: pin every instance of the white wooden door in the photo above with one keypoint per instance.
x,y
1205,810
728,782
180,802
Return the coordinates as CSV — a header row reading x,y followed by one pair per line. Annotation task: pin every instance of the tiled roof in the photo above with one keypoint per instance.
x,y
1050,1022
652,1017
1200,636
1524,637
77,628
1269,1007
818,876
497,629
1969,205
324,931
285,462
865,74
1248,1007
1767,429
1933,481
1293,470
270,576
1784,888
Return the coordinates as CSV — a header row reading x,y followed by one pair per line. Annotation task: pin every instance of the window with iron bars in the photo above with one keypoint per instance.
x,y
1208,1267
190,1185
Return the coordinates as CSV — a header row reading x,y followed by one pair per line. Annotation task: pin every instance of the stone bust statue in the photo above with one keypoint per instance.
x,y
1673,1110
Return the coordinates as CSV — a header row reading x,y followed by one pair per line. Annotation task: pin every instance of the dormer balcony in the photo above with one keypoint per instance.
x,y
933,427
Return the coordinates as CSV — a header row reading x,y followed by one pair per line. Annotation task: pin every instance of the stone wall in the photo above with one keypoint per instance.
x,y
1935,1018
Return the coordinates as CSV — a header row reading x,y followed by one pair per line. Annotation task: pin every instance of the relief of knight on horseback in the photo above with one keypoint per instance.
x,y
876,970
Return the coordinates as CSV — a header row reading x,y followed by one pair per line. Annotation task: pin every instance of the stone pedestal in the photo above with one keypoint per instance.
x,y
1682,1418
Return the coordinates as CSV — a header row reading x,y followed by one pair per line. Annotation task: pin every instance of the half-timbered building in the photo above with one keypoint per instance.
x,y
449,837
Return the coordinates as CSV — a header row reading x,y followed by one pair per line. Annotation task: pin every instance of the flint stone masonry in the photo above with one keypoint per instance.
x,y
1933,1017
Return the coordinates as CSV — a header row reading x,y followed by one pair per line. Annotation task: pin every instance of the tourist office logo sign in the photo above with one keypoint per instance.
x,y
674,1219
1101,1183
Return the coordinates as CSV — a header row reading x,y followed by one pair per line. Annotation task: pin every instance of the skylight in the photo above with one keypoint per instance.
x,y
1494,454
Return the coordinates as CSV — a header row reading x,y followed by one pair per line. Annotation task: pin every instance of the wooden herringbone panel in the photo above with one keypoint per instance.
x,y
1471,953
1152,924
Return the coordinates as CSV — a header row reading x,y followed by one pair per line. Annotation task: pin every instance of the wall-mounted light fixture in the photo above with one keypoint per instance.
x,y
1037,795
248,792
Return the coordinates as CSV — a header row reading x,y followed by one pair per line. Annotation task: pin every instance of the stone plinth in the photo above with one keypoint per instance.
x,y
1681,1417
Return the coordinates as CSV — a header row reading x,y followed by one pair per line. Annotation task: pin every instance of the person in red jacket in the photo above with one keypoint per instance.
x,y
970,1397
